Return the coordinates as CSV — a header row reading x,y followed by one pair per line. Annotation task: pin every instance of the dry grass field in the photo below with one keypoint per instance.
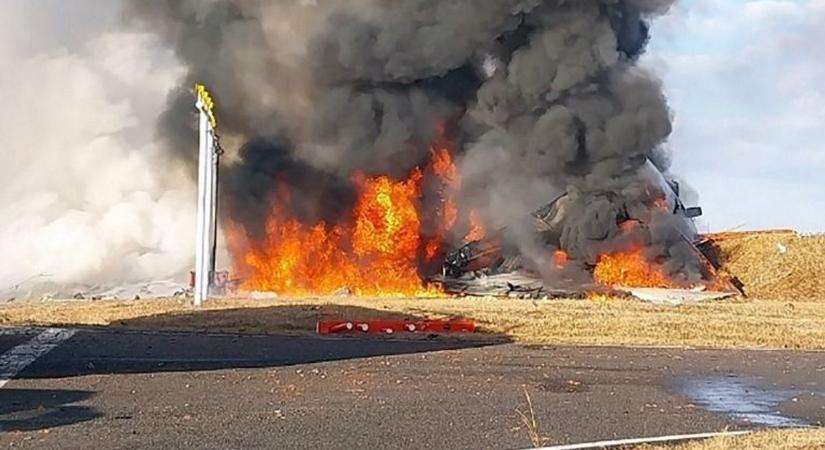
x,y
737,323
784,273
776,265
767,440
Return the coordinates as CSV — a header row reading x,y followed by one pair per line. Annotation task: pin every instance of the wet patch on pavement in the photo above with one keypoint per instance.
x,y
744,399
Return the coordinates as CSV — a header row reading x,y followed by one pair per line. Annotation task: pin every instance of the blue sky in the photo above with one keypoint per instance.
x,y
746,83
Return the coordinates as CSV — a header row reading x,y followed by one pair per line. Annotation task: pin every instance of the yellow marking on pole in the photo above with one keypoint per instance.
x,y
208,103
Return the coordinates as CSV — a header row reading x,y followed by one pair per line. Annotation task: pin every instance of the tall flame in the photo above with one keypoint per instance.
x,y
375,255
444,168
376,252
477,229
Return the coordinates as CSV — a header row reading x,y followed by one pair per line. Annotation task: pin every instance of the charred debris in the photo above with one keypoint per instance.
x,y
492,267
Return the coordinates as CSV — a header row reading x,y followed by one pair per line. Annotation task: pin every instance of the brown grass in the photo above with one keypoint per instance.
x,y
789,312
729,324
769,273
767,440
528,419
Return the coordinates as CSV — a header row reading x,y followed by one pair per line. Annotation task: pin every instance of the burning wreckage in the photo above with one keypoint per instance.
x,y
372,141
629,252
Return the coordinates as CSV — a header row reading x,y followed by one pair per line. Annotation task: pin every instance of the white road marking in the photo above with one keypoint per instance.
x,y
18,358
639,441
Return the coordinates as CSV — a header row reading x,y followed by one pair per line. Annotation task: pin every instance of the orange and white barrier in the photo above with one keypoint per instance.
x,y
396,326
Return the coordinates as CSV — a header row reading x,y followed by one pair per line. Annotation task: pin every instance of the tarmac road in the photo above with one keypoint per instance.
x,y
115,389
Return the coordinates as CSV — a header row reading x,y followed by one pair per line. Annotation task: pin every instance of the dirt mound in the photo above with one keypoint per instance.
x,y
775,265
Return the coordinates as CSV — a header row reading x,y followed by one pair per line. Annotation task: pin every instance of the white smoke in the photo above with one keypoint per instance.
x,y
86,197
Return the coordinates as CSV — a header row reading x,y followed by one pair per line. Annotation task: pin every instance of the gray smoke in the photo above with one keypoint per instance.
x,y
89,202
541,96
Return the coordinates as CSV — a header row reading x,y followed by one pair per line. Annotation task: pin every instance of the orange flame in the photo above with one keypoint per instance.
x,y
374,256
431,249
560,258
375,252
443,165
630,268
597,296
477,230
444,168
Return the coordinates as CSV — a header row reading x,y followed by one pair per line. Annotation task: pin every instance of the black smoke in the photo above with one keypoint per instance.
x,y
545,96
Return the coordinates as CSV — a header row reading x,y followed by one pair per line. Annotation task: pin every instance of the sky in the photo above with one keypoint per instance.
x,y
746,83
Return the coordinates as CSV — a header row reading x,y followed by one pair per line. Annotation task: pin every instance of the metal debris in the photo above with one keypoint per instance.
x,y
675,296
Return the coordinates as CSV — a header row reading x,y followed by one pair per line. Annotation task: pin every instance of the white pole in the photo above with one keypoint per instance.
x,y
213,201
204,209
210,215
207,227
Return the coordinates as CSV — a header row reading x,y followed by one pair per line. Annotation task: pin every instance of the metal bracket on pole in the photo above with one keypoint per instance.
x,y
208,158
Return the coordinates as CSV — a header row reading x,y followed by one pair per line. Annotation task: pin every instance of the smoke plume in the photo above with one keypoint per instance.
x,y
542,97
87,197
539,97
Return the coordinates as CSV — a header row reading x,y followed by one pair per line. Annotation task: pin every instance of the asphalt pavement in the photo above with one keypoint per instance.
x,y
136,390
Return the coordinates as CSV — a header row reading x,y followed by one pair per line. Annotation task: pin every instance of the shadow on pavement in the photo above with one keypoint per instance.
x,y
188,341
31,409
